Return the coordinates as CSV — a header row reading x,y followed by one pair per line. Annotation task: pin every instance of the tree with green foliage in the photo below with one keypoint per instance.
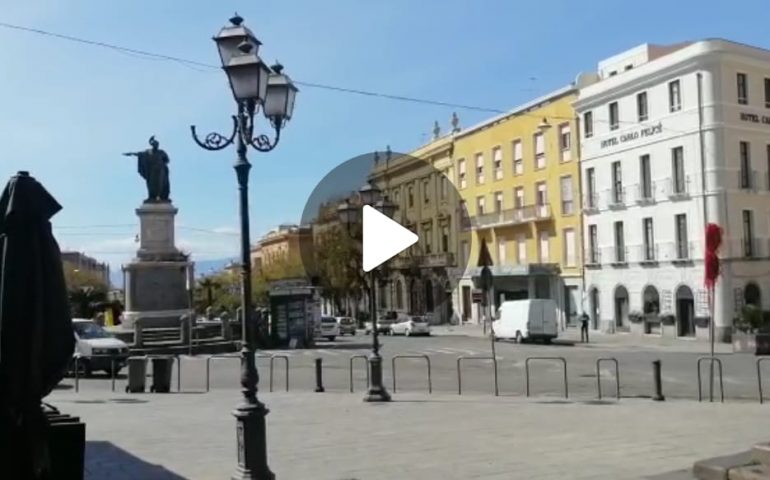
x,y
87,291
338,269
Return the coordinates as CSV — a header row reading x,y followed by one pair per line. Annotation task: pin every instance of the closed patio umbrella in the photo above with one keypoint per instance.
x,y
36,339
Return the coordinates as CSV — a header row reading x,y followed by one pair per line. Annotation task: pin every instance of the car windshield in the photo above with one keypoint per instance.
x,y
419,319
90,330
346,321
328,320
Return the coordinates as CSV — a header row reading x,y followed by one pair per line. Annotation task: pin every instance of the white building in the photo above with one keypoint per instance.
x,y
663,125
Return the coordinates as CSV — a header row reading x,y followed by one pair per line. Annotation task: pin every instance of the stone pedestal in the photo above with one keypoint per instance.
x,y
156,280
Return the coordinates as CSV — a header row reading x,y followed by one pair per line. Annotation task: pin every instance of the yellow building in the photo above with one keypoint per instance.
x,y
519,178
419,183
278,253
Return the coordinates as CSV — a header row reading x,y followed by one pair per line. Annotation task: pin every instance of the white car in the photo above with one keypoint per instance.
x,y
330,329
96,349
411,326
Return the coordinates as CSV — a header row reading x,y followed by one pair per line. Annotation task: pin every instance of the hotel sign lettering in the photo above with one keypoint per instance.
x,y
631,136
754,118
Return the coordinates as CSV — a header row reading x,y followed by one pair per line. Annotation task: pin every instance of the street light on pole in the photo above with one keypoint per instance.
x,y
254,85
349,214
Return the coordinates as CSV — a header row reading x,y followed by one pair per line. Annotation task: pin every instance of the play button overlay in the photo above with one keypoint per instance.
x,y
417,250
383,238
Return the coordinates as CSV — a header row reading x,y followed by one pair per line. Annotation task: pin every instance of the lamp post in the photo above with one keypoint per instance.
x,y
254,86
370,195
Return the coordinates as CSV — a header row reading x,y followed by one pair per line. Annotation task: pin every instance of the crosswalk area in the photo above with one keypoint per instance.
x,y
341,353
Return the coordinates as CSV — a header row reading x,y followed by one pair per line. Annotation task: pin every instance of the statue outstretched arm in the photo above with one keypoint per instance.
x,y
131,154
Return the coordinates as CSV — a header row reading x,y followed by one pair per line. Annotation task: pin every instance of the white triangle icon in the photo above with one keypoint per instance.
x,y
383,238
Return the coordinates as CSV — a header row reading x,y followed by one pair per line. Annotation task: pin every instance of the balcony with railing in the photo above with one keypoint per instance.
x,y
643,194
617,255
513,216
616,197
746,248
590,203
646,254
676,188
593,257
437,260
748,180
677,252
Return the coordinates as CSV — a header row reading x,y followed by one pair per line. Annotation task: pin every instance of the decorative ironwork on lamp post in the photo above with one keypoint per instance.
x,y
349,214
255,87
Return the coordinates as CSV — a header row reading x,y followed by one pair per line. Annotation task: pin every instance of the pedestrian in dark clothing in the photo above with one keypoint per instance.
x,y
584,328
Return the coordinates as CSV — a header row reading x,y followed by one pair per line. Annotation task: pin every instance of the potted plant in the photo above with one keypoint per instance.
x,y
637,322
751,331
668,324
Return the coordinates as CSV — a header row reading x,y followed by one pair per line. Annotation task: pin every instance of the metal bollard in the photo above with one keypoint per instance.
x,y
319,375
658,397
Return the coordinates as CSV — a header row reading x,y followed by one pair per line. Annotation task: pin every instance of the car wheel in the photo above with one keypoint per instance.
x,y
519,338
353,333
331,338
84,368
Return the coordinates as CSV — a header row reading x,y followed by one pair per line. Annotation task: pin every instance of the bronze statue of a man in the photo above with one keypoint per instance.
x,y
152,165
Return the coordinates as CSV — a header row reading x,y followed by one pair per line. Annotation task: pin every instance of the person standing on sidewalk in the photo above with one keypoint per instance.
x,y
584,328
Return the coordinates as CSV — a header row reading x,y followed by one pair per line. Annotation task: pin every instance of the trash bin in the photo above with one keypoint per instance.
x,y
137,371
161,374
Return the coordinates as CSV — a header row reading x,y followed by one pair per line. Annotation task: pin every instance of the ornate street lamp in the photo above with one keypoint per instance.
x,y
348,215
254,86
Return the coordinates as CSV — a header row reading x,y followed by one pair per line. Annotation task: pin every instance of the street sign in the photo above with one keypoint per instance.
x,y
478,296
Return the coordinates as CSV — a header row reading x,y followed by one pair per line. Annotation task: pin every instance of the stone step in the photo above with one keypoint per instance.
x,y
761,453
749,472
718,468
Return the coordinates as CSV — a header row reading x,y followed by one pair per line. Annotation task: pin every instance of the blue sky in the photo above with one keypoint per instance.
x,y
68,110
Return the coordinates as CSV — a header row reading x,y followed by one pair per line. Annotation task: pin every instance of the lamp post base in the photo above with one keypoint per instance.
x,y
252,443
377,391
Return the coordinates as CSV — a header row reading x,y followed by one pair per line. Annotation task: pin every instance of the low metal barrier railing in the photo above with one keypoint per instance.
x,y
459,374
599,376
558,359
366,366
417,356
711,360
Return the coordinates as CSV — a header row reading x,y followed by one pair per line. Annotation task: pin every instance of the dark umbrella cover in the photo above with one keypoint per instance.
x,y
36,338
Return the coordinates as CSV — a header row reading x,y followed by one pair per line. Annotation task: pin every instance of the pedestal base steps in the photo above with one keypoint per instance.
x,y
753,464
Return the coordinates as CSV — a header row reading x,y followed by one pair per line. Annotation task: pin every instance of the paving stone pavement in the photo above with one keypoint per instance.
x,y
337,436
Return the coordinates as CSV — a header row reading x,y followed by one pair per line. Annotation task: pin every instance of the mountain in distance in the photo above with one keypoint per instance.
x,y
202,268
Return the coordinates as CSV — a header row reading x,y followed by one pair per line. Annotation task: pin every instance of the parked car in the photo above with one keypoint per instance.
x,y
329,328
415,325
384,322
527,319
347,325
96,348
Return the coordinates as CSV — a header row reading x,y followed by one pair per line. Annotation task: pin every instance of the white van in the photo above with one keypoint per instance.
x,y
527,319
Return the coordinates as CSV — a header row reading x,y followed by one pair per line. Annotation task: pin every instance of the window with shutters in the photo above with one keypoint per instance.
x,y
674,96
588,124
570,259
501,250
539,143
462,179
565,142
521,248
614,116
518,158
480,206
545,247
567,200
497,161
743,88
479,168
518,197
